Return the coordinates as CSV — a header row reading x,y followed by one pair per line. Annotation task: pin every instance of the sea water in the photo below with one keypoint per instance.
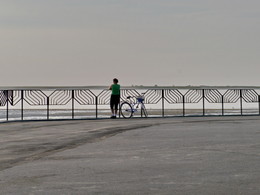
x,y
43,114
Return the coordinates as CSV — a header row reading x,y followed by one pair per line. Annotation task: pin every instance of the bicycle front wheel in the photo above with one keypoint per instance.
x,y
126,110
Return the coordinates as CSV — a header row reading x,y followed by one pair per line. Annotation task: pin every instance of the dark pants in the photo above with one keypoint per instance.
x,y
114,101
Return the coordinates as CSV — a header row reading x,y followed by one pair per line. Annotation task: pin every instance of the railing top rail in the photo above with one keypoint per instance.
x,y
122,87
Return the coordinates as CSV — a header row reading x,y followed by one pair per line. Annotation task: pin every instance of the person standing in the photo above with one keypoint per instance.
x,y
115,97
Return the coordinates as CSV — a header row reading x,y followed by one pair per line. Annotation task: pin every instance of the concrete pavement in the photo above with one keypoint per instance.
x,y
196,155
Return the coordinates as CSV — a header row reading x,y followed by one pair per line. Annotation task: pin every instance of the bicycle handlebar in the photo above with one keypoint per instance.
x,y
142,94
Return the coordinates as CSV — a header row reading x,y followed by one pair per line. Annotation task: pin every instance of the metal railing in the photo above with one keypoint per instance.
x,y
160,102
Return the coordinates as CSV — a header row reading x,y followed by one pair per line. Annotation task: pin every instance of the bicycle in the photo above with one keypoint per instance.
x,y
128,108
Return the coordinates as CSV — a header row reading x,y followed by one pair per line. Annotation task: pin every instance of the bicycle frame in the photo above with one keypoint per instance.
x,y
135,104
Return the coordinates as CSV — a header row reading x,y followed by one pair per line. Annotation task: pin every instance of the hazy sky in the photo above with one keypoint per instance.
x,y
141,42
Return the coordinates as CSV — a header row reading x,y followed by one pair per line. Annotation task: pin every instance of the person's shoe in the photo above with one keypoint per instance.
x,y
113,117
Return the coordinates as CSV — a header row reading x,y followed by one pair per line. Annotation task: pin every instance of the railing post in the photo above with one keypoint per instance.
x,y
72,99
48,107
162,102
203,101
7,105
241,103
119,110
222,99
22,99
96,107
183,108
259,103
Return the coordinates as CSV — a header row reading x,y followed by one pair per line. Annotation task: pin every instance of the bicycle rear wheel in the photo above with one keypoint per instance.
x,y
126,110
144,111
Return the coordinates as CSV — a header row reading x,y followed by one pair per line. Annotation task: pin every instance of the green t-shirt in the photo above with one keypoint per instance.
x,y
115,89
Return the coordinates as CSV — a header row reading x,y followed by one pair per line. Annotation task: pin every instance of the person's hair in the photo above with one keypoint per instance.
x,y
115,80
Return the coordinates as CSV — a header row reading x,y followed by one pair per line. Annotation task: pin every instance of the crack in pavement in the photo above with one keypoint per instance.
x,y
91,136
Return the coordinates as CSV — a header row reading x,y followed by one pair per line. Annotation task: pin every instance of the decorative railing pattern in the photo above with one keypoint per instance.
x,y
35,97
213,96
170,96
173,96
84,97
